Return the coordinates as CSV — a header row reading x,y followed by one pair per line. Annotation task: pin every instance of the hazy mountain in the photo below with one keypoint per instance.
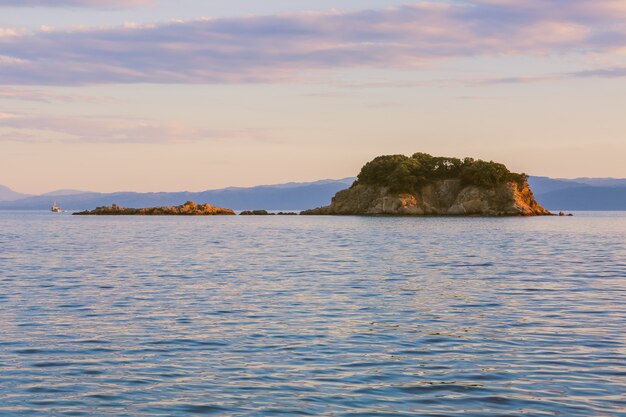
x,y
580,193
7,194
602,182
64,192
585,197
553,194
290,196
542,185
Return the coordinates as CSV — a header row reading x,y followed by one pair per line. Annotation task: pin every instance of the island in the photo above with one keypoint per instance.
x,y
426,185
188,209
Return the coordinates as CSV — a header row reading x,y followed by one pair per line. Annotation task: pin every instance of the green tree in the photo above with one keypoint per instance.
x,y
406,174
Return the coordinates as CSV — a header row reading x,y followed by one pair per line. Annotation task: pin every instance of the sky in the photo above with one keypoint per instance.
x,y
159,95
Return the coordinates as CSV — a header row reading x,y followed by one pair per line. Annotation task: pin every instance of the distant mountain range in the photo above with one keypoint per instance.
x,y
580,193
290,196
553,194
7,194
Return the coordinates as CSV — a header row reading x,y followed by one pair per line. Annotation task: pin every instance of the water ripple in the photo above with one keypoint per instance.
x,y
312,316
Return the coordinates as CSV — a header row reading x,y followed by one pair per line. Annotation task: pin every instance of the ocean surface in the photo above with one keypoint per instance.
x,y
319,316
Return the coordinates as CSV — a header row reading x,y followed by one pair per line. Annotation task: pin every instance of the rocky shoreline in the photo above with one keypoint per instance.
x,y
417,185
266,213
443,198
188,209
422,185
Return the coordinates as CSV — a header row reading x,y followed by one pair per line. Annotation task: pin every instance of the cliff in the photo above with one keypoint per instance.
x,y
427,185
445,197
188,209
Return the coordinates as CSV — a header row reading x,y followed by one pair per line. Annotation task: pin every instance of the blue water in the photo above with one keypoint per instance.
x,y
321,316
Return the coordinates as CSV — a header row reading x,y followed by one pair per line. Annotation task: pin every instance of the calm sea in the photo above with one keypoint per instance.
x,y
320,316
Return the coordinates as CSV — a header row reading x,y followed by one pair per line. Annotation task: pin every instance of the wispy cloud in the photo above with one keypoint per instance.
x,y
101,4
25,128
462,80
287,47
44,96
612,72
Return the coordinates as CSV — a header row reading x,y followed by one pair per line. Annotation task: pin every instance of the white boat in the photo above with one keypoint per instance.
x,y
55,208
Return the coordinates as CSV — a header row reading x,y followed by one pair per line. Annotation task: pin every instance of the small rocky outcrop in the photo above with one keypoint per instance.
x,y
426,185
254,213
266,213
188,209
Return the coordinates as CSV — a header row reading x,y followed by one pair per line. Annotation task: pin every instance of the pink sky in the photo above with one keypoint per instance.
x,y
163,95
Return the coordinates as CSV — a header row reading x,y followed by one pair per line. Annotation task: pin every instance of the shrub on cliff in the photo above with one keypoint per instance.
x,y
395,171
407,174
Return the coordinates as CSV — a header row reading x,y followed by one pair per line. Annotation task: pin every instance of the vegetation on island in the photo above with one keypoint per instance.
x,y
188,209
402,173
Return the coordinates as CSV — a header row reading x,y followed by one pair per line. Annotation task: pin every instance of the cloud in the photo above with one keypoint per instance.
x,y
29,94
25,128
101,4
606,73
291,46
613,72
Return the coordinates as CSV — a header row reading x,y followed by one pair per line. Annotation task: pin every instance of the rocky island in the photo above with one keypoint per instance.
x,y
426,185
188,209
266,213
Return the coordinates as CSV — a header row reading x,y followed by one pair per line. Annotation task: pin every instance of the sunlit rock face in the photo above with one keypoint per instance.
x,y
444,197
188,209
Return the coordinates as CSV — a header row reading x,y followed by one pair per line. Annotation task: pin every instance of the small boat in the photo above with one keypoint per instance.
x,y
55,208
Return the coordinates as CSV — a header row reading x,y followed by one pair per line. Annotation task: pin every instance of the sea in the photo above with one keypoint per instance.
x,y
312,316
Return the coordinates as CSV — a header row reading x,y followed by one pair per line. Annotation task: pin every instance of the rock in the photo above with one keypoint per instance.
x,y
255,213
188,209
442,197
265,213
423,184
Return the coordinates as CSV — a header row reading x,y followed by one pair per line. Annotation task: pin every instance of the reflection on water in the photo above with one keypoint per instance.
x,y
335,316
